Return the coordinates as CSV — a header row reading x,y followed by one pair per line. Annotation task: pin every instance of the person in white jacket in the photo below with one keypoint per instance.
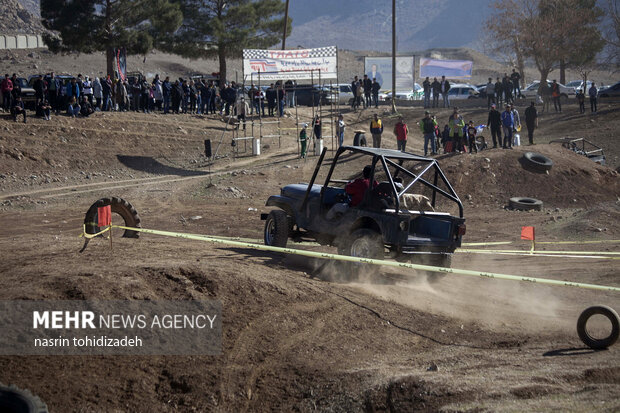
x,y
87,89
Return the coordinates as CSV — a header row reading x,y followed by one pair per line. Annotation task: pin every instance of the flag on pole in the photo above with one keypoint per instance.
x,y
527,233
104,216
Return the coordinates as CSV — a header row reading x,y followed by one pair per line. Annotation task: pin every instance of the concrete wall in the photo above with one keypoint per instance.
x,y
21,41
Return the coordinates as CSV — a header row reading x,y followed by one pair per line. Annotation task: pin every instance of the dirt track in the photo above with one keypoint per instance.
x,y
291,341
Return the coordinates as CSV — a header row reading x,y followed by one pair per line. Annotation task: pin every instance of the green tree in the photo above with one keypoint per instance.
x,y
223,28
88,26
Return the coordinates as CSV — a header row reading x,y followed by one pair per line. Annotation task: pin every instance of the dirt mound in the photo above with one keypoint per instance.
x,y
16,19
492,177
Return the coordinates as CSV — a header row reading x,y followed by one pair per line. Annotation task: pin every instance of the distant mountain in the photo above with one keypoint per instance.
x,y
367,24
33,6
16,19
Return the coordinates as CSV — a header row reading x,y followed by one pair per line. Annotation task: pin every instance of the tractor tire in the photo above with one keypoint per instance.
x,y
277,228
537,162
14,400
359,140
525,204
592,342
119,206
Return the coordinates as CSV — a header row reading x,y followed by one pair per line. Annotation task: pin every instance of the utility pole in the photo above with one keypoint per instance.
x,y
393,56
285,26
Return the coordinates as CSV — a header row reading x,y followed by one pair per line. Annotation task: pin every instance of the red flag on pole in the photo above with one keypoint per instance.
x,y
104,216
527,233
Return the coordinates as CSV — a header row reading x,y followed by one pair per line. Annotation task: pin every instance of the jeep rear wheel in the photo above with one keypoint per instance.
x,y
362,243
434,260
276,229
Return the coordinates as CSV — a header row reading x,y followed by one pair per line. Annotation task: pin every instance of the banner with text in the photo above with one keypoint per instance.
x,y
451,69
380,68
300,64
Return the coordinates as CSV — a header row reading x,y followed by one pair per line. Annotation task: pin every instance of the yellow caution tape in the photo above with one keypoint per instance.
x,y
89,236
536,254
542,252
369,260
480,244
579,242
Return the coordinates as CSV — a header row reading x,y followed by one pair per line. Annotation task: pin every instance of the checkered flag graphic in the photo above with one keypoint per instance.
x,y
264,54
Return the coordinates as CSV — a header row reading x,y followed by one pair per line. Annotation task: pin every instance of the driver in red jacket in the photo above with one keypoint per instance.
x,y
358,187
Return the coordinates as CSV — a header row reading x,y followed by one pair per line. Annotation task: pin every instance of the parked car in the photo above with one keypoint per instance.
x,y
308,95
460,91
341,93
27,92
577,84
611,91
531,91
417,93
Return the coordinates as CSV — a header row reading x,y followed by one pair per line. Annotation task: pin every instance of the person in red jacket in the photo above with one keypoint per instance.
x,y
7,88
358,187
401,132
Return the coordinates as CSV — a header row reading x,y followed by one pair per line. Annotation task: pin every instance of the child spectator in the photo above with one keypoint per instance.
x,y
74,108
471,137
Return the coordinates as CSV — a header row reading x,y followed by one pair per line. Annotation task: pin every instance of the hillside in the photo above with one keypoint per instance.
x,y
17,19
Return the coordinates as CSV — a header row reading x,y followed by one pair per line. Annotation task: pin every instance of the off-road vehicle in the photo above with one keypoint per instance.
x,y
391,220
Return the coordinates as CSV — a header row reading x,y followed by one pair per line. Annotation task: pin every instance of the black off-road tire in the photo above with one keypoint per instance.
x,y
14,400
360,140
118,206
434,260
537,162
594,343
525,204
363,242
277,227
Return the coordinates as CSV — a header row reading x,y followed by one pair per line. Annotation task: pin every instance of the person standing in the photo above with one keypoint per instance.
x,y
445,88
498,92
555,94
436,87
426,85
375,92
40,90
7,90
303,139
495,124
427,126
507,88
515,77
340,126
471,137
53,90
272,95
490,91
97,93
593,93
87,89
531,121
508,125
456,123
376,129
401,132
367,90
354,85
166,87
544,90
581,98
318,131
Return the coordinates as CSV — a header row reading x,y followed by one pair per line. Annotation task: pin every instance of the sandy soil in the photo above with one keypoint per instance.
x,y
291,341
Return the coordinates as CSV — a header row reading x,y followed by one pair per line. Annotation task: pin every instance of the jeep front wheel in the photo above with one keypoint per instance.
x,y
276,229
